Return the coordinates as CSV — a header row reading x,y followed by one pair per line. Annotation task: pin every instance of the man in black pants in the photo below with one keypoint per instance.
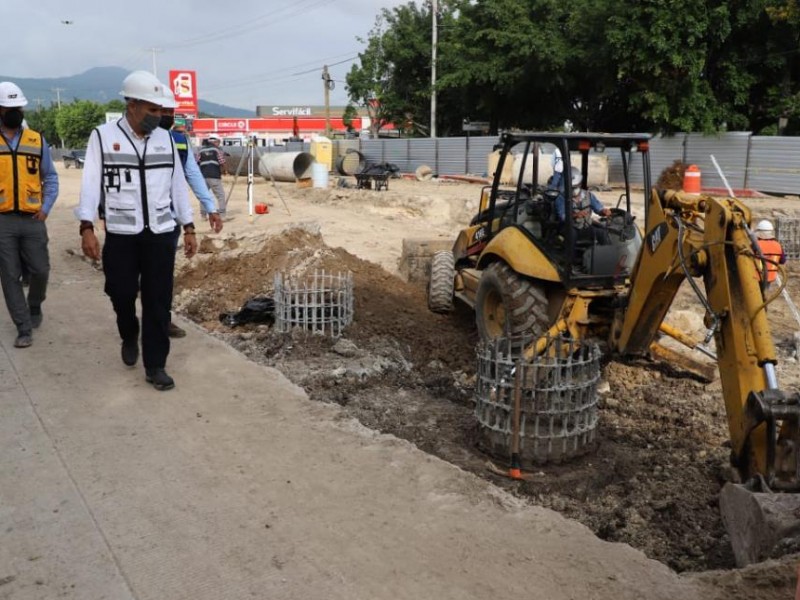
x,y
133,170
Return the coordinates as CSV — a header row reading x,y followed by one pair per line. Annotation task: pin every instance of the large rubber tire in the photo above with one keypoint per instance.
x,y
442,282
508,305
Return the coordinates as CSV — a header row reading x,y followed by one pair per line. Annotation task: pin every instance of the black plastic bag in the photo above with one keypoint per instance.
x,y
259,309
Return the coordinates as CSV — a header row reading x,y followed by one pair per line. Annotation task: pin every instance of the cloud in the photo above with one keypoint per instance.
x,y
245,52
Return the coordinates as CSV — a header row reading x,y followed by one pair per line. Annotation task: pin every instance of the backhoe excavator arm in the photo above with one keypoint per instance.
x,y
694,237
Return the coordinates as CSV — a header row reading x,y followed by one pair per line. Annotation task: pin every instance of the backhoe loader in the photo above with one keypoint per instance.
x,y
526,271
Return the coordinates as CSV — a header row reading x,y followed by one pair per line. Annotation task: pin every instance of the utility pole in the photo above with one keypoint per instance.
x,y
154,50
58,95
58,100
327,82
434,42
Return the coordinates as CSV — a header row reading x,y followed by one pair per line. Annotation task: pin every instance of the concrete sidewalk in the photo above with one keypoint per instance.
x,y
234,485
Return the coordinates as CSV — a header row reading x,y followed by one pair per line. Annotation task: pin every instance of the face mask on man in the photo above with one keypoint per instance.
x,y
149,123
12,118
167,121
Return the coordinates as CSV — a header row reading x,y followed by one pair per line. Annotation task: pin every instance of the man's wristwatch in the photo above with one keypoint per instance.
x,y
84,226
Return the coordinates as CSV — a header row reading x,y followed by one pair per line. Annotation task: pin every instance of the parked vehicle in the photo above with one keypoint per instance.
x,y
75,159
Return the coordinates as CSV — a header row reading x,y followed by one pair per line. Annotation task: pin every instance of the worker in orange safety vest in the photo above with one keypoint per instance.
x,y
771,249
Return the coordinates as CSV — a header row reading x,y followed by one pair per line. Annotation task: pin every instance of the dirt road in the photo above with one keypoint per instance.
x,y
347,525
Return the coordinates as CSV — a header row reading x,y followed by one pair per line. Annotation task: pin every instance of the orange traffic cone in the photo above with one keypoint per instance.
x,y
691,180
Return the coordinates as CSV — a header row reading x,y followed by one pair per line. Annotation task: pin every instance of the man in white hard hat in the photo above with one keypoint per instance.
x,y
193,176
771,249
212,164
584,204
133,174
30,187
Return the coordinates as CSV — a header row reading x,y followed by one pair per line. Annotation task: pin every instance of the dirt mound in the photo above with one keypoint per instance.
x,y
653,482
671,178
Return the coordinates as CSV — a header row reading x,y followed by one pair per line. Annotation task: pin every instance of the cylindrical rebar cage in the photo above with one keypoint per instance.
x,y
322,303
557,399
787,230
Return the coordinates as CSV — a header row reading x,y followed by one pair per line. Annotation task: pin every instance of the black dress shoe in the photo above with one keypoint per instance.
x,y
159,378
130,352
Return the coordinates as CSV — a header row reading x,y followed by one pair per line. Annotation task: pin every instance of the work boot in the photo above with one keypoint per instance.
x,y
175,331
130,352
36,316
24,340
159,378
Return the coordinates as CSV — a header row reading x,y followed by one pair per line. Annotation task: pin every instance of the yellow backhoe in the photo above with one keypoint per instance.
x,y
524,268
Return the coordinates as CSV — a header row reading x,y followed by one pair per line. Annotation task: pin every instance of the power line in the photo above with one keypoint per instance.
x,y
273,76
255,24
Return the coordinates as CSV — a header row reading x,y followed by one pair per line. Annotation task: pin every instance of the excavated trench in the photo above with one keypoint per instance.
x,y
661,455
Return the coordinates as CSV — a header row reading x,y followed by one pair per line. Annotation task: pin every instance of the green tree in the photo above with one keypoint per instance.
x,y
43,120
76,120
349,114
621,65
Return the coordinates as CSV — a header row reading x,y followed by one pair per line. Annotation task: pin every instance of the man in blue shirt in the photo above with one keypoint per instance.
x,y
30,181
177,129
584,204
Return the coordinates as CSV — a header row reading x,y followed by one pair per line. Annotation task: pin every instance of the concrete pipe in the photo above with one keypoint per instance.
x,y
286,166
350,163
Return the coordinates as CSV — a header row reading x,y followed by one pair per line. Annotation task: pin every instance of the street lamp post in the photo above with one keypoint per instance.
x,y
434,42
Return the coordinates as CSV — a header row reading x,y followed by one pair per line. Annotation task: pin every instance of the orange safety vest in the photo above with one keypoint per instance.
x,y
773,252
20,174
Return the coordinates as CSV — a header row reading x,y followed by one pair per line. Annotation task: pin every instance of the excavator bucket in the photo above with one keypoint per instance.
x,y
761,525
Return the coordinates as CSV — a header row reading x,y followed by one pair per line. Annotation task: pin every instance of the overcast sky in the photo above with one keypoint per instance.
x,y
246,52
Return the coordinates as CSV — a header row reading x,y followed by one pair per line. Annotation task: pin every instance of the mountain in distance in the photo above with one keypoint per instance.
x,y
101,84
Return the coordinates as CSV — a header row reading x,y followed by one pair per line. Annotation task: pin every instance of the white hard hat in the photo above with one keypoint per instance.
x,y
168,100
142,85
213,137
11,96
765,230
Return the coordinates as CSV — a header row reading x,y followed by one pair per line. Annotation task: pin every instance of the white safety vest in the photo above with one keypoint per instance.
x,y
136,188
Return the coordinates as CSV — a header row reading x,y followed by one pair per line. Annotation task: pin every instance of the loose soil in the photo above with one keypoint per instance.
x,y
663,452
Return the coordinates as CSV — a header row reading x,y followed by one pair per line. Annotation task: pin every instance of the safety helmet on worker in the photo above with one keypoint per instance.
x,y
765,230
142,85
213,138
168,99
11,95
577,179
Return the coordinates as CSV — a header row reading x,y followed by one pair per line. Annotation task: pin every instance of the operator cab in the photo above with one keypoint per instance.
x,y
532,181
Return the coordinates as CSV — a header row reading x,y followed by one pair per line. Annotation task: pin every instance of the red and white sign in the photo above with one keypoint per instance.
x,y
271,124
184,86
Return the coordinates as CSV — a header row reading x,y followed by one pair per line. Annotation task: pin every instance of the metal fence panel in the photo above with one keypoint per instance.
x,y
774,164
396,152
372,150
663,152
730,150
452,157
421,152
478,151
768,164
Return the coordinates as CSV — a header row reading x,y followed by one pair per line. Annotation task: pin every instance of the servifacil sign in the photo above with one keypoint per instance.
x,y
291,111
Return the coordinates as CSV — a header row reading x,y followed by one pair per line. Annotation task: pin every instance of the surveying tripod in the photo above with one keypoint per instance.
x,y
250,153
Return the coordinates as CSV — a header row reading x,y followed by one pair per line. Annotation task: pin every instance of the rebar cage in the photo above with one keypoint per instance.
x,y
787,231
558,399
322,303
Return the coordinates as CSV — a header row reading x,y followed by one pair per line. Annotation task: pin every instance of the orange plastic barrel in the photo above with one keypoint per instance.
x,y
691,180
